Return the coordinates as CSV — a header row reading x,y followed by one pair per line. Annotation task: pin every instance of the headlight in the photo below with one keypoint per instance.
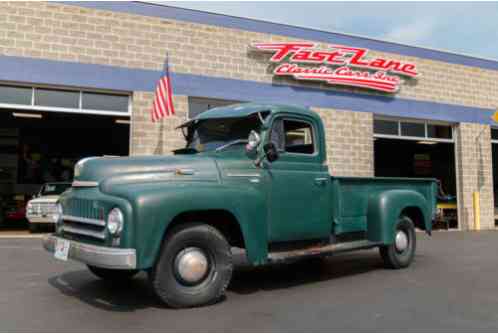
x,y
57,216
29,208
115,222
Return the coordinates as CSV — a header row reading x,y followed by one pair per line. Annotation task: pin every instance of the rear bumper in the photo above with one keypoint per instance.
x,y
103,257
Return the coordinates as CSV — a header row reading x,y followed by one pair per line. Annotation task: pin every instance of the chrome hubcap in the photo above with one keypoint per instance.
x,y
192,265
401,241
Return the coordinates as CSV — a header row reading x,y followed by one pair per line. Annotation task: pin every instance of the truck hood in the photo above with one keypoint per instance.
x,y
139,169
45,199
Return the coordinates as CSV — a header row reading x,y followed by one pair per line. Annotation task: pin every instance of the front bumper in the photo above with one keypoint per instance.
x,y
40,219
103,257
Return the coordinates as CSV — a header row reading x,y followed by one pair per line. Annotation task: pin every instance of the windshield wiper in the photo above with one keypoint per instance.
x,y
186,150
238,141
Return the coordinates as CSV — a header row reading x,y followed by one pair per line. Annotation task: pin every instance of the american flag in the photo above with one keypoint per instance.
x,y
163,99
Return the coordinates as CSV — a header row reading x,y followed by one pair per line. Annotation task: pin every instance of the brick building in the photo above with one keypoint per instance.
x,y
77,79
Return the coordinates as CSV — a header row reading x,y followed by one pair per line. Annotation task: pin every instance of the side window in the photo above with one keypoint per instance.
x,y
293,136
298,137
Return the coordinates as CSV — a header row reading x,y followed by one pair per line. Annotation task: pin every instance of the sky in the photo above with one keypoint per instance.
x,y
469,28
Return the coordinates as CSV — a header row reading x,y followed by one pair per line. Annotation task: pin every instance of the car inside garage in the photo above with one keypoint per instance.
x,y
45,131
419,149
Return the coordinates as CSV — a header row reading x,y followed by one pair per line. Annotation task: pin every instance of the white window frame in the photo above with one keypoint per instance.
x,y
410,120
79,110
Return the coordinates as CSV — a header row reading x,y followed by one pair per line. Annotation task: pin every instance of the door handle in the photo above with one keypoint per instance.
x,y
321,181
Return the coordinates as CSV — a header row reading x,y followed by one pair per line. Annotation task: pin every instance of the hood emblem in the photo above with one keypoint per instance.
x,y
79,166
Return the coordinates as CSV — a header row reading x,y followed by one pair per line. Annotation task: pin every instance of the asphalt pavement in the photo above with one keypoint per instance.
x,y
451,286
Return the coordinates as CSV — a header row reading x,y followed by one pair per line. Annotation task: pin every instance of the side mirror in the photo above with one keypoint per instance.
x,y
271,151
252,141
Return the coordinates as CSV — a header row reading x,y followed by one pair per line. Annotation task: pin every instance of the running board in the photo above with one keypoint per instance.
x,y
282,256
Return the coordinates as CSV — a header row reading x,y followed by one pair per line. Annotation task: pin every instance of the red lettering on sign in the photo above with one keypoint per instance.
x,y
282,50
355,69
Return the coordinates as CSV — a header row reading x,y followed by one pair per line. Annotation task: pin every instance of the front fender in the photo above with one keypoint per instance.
x,y
384,209
155,205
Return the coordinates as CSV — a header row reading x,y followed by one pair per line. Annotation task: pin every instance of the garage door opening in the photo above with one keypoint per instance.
x,y
44,148
41,144
419,149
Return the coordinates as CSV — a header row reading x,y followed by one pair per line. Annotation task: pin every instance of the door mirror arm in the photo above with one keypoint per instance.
x,y
271,151
270,154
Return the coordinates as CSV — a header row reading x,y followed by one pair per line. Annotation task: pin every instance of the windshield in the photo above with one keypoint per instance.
x,y
54,188
210,134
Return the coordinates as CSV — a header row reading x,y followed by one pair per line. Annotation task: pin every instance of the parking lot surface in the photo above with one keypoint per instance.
x,y
451,286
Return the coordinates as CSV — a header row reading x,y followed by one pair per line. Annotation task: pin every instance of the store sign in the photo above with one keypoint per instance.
x,y
339,65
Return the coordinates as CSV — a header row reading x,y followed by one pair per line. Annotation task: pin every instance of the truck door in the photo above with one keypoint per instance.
x,y
298,182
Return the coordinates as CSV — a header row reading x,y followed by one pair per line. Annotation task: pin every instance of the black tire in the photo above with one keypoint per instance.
x,y
33,228
114,275
165,279
394,258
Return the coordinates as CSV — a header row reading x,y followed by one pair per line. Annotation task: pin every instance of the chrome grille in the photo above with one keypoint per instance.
x,y
41,209
83,208
83,218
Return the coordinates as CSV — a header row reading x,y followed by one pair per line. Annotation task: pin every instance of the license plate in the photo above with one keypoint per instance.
x,y
62,249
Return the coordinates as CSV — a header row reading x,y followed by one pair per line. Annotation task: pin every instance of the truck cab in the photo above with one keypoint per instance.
x,y
251,176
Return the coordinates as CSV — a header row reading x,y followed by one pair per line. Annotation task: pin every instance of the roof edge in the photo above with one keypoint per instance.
x,y
249,24
326,31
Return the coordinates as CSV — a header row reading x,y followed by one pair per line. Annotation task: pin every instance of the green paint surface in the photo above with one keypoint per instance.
x,y
292,199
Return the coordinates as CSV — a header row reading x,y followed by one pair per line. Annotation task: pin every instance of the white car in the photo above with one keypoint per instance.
x,y
41,209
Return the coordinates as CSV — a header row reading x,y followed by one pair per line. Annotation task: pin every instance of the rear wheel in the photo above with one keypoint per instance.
x,y
194,267
112,274
400,254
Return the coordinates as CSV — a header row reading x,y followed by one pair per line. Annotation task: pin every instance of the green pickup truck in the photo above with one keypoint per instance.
x,y
251,176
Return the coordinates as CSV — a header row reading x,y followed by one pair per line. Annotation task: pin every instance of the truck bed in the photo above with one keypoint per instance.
x,y
351,195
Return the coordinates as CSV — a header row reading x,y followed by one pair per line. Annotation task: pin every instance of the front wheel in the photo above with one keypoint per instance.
x,y
194,267
112,274
400,254
34,228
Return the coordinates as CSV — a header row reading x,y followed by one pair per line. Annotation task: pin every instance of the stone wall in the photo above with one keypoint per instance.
x,y
147,138
474,174
349,139
69,32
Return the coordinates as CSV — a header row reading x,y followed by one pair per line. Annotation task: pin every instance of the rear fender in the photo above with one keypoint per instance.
x,y
384,209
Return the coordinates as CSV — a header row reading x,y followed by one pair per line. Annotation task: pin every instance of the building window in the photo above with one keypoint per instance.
x,y
386,127
64,100
100,101
403,129
409,129
57,98
197,105
15,95
439,131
